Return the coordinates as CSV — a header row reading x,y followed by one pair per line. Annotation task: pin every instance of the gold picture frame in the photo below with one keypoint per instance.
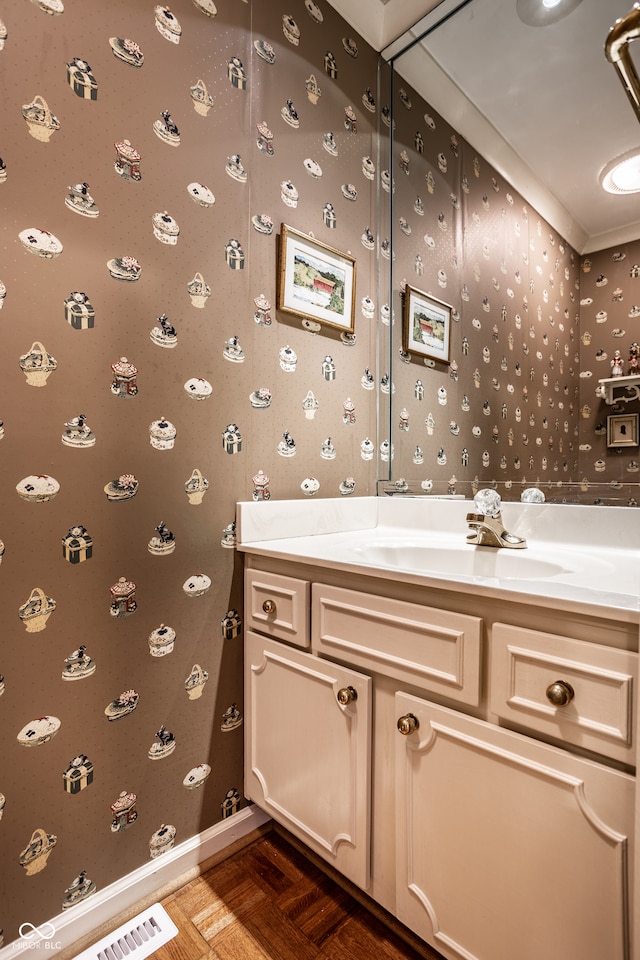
x,y
426,326
315,281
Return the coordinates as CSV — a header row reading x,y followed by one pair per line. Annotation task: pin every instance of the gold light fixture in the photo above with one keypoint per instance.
x,y
616,50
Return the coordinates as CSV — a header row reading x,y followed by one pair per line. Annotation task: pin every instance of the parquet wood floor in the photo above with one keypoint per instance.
x,y
270,902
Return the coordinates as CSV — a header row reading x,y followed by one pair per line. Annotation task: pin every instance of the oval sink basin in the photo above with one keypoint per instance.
x,y
465,561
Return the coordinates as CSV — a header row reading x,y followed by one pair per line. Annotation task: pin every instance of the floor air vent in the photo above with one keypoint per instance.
x,y
137,939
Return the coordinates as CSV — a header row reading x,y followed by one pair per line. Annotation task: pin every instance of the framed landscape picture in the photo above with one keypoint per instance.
x,y
315,281
426,325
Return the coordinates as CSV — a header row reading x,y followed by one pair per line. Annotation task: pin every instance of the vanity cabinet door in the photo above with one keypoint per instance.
x,y
308,750
507,847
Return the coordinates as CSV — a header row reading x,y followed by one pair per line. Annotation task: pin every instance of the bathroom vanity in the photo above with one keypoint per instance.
x,y
452,727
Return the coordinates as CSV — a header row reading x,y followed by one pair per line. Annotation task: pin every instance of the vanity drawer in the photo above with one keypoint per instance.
x,y
277,606
595,681
435,650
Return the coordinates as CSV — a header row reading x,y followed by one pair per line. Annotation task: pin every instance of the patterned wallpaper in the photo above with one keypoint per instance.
x,y
610,315
149,157
506,407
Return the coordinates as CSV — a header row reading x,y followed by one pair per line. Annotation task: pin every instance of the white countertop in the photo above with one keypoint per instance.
x,y
583,558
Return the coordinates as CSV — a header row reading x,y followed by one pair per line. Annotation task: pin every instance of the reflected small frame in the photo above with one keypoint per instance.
x,y
622,430
426,325
315,281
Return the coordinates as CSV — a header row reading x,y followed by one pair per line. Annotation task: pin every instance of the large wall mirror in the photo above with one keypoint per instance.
x,y
500,325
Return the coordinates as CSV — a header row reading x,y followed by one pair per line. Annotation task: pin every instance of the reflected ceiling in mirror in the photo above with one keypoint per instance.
x,y
542,104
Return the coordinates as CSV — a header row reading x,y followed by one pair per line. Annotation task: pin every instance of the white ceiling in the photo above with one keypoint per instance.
x,y
542,104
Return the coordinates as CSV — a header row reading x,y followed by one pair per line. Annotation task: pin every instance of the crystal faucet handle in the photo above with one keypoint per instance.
x,y
532,495
487,502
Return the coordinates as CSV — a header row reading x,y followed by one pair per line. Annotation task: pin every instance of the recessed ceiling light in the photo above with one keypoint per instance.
x,y
540,13
622,175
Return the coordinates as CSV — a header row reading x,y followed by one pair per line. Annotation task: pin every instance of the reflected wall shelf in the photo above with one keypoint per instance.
x,y
628,389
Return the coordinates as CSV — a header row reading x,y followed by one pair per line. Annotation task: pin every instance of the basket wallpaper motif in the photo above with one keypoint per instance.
x,y
34,857
41,122
36,610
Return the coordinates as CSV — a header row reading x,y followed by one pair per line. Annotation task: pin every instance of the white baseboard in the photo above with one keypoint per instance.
x,y
72,925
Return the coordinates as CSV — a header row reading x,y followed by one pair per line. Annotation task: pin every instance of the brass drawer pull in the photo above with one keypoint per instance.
x,y
408,724
269,606
560,693
346,695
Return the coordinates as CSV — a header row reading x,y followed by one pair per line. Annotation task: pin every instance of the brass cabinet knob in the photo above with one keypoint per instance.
x,y
269,606
346,695
408,724
560,693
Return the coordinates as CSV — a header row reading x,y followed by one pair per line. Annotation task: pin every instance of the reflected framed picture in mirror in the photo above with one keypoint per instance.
x,y
426,326
315,281
622,430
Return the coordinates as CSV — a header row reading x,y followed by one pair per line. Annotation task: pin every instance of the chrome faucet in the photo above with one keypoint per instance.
x,y
487,528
